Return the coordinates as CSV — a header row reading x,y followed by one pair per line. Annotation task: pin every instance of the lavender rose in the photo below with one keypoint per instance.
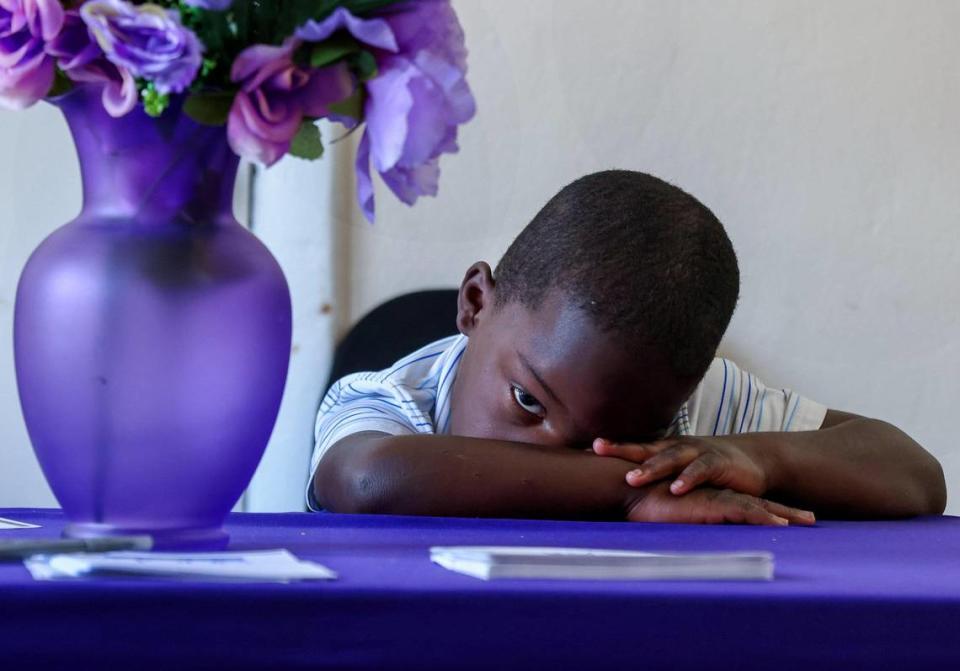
x,y
82,60
417,100
147,40
26,70
213,5
416,103
275,95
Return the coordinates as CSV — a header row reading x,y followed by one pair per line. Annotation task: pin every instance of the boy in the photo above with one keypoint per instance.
x,y
584,386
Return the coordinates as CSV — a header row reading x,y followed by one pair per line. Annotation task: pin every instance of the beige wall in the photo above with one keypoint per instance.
x,y
826,135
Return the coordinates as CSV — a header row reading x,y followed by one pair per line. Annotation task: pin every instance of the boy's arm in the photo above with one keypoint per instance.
x,y
856,467
454,476
853,467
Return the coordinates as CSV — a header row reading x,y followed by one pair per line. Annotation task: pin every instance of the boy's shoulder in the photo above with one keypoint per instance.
x,y
417,384
419,368
730,400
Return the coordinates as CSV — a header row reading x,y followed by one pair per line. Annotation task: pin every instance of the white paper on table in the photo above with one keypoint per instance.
x,y
14,524
258,566
490,562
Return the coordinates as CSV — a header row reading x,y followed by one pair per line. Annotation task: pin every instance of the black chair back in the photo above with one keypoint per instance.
x,y
393,330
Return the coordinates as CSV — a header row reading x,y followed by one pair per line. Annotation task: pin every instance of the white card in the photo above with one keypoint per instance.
x,y
492,562
14,524
260,566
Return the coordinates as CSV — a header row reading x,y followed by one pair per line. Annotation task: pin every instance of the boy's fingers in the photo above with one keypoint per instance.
x,y
795,515
744,508
705,468
663,465
638,452
758,515
629,451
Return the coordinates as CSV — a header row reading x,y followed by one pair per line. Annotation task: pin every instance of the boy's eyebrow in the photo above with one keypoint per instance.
x,y
539,379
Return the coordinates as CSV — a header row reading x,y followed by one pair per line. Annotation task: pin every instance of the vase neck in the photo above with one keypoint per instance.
x,y
143,169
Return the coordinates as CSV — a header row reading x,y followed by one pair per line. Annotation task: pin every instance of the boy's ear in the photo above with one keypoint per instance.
x,y
476,296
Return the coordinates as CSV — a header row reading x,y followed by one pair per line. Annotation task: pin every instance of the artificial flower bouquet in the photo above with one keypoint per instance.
x,y
267,70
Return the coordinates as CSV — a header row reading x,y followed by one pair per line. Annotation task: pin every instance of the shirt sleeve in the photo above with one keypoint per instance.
x,y
356,404
730,400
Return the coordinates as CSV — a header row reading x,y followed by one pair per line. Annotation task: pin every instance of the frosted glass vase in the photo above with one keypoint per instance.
x,y
151,333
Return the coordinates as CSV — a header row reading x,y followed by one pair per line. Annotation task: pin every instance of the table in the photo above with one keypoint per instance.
x,y
874,595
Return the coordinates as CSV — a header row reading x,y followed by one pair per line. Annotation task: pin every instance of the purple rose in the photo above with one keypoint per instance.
x,y
275,95
83,61
373,32
415,103
147,40
213,5
26,70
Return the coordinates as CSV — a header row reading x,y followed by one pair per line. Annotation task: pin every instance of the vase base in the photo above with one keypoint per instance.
x,y
211,538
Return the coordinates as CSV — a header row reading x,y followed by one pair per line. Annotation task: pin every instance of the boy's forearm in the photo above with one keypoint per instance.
x,y
857,468
455,476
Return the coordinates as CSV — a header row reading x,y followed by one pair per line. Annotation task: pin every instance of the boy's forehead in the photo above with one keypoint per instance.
x,y
556,323
555,332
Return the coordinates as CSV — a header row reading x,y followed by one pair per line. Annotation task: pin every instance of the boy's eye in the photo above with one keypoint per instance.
x,y
528,401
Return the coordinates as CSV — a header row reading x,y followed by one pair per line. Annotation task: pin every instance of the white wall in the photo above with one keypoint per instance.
x,y
825,135
39,191
295,212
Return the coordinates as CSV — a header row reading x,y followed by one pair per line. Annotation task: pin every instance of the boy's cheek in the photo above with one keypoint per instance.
x,y
499,425
484,417
476,422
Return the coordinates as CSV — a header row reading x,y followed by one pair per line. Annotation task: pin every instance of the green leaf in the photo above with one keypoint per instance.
x,y
209,109
263,19
364,64
154,102
307,143
363,6
332,50
238,22
352,106
208,66
213,28
61,84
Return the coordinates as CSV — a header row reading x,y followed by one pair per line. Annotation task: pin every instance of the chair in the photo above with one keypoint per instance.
x,y
393,330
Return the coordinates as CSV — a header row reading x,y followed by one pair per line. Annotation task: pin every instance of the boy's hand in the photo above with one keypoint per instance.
x,y
696,461
711,506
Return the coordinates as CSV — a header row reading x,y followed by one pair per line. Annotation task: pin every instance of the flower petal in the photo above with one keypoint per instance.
x,y
27,83
386,110
410,183
260,62
364,181
251,136
326,86
374,32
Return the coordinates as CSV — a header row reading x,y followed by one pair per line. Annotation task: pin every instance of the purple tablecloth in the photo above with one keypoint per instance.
x,y
878,595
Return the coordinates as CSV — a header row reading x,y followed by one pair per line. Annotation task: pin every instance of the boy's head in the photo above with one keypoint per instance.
x,y
600,319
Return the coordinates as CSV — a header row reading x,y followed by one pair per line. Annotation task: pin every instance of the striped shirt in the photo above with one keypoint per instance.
x,y
413,397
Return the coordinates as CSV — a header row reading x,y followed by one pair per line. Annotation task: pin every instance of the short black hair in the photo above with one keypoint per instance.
x,y
644,258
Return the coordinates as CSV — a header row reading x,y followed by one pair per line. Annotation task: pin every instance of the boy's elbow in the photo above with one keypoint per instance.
x,y
934,496
351,478
928,483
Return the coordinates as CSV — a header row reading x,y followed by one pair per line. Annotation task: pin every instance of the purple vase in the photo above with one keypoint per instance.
x,y
151,334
